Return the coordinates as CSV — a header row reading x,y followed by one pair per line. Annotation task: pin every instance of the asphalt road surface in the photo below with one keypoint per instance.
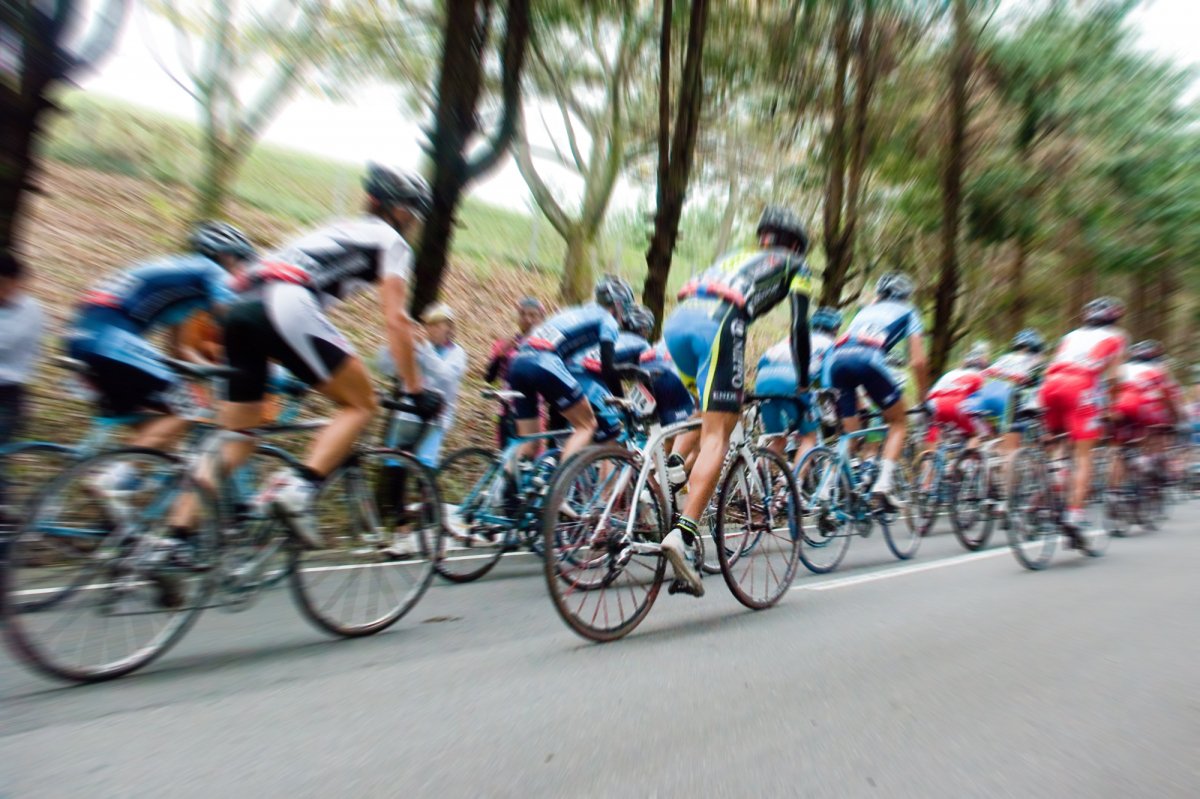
x,y
951,675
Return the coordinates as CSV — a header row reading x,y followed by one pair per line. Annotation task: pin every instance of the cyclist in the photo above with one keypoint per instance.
x,y
586,367
859,360
1007,382
706,336
777,376
114,320
539,368
1086,360
1147,396
949,400
280,318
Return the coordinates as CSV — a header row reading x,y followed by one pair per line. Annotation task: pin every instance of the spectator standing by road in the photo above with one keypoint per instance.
x,y
530,313
21,323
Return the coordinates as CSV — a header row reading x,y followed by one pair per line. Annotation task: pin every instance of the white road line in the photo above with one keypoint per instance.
x,y
887,574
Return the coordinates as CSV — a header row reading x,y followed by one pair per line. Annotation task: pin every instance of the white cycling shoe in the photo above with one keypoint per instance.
x,y
291,496
677,552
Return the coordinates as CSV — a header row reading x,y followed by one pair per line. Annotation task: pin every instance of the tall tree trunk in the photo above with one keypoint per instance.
x,y
216,182
1018,303
18,129
1083,286
1140,304
675,172
729,215
833,279
952,177
578,275
1164,304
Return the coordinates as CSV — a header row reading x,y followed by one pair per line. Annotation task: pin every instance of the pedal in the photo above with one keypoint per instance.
x,y
682,587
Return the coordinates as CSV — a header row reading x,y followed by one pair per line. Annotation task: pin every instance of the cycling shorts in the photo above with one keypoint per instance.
x,y
126,371
1072,404
707,342
781,416
956,411
538,373
608,420
1134,412
282,322
674,401
853,367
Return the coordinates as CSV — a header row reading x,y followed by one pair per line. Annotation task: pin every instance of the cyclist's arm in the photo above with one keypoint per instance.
x,y
918,361
608,368
801,339
402,333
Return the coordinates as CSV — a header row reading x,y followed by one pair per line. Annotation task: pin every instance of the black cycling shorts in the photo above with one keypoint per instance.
x,y
284,323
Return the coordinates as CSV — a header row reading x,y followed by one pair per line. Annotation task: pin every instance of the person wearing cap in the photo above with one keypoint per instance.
x,y
21,325
530,313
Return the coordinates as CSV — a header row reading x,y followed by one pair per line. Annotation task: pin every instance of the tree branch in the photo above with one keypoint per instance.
x,y
516,37
103,35
542,195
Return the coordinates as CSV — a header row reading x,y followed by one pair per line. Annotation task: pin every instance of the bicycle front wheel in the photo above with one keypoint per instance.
x,y
88,592
758,528
601,580
369,572
970,502
1032,516
478,503
826,527
926,492
901,530
25,469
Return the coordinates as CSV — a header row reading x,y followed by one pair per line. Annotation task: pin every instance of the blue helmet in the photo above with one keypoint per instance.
x,y
895,286
829,319
214,239
1029,340
614,292
640,321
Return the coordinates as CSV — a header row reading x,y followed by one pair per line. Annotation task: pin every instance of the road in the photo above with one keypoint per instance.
x,y
953,675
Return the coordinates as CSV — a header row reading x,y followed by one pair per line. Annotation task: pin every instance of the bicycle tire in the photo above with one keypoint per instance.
x,y
21,481
896,523
708,522
355,544
926,491
475,559
823,530
115,591
970,498
781,504
602,574
1031,513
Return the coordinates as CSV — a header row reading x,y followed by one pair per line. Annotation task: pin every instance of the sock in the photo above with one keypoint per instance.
x,y
312,475
179,532
885,475
688,527
1075,516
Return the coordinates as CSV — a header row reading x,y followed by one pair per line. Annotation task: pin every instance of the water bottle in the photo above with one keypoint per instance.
x,y
676,473
541,476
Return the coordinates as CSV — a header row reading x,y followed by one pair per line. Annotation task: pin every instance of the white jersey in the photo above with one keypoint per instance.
x,y
1089,349
1014,367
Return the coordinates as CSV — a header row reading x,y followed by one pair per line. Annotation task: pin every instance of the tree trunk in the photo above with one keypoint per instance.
x,y
673,191
1139,310
833,280
18,129
1164,305
1017,301
216,183
1083,286
732,200
952,176
577,277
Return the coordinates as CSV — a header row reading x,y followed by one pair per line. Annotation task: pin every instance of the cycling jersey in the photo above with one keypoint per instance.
x,y
859,359
1146,396
950,398
157,293
1089,351
1071,394
754,281
628,352
780,355
882,325
957,383
339,259
1017,368
572,330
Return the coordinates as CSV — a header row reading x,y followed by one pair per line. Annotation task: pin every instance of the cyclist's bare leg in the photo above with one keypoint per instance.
x,y
350,388
807,442
1082,478
583,428
230,416
893,445
526,428
715,430
160,432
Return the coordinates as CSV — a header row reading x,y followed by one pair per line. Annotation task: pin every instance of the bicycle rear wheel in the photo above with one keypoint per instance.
x,y
825,529
25,469
601,583
369,573
758,529
900,528
478,503
926,491
1033,528
87,592
969,503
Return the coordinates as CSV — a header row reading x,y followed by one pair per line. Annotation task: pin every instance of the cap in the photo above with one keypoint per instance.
x,y
438,312
530,302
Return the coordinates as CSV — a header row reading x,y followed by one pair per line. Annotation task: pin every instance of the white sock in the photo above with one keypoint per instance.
x,y
885,475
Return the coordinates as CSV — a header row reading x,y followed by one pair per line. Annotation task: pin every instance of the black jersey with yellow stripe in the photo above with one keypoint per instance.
x,y
753,280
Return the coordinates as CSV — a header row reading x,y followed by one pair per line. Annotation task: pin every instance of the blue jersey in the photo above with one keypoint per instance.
x,y
779,357
162,292
627,352
573,330
882,325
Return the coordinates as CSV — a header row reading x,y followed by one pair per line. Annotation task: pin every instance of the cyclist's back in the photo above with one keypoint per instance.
x,y
157,293
754,281
572,330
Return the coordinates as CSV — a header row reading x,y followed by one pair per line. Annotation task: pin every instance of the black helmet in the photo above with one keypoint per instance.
x,y
1103,311
212,239
895,286
1148,350
787,226
614,292
398,188
1029,340
829,319
640,321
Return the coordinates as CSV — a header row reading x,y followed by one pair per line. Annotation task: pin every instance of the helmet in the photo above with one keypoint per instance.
x,y
827,319
211,239
1103,311
398,188
977,356
782,221
614,292
640,321
1148,350
1029,340
895,286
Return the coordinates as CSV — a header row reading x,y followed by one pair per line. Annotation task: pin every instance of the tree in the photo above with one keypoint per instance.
x,y
465,37
37,56
675,149
573,63
219,47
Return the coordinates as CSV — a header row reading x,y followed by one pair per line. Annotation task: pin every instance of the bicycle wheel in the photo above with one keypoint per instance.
x,y
825,528
368,573
969,503
1032,517
478,505
24,469
900,528
758,529
87,592
926,492
603,582
242,544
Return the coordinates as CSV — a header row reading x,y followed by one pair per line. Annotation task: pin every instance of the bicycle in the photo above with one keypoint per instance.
x,y
836,490
76,559
1037,500
958,478
609,510
1139,497
492,502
